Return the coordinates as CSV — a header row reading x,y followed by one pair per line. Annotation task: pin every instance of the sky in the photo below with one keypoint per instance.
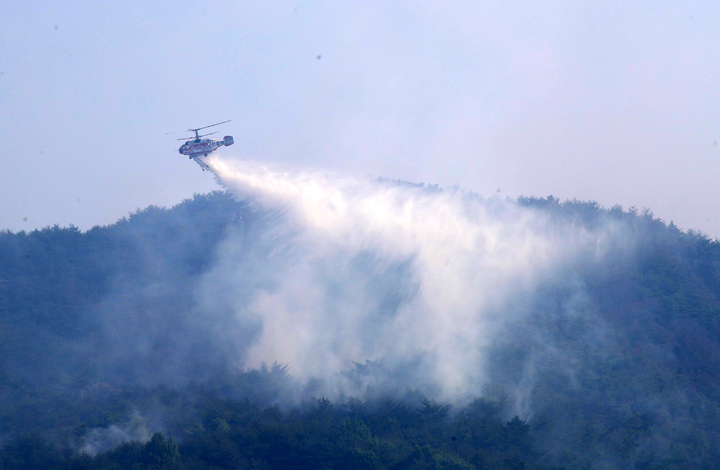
x,y
615,102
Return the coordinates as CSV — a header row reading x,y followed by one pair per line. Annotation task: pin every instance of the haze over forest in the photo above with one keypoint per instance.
x,y
301,319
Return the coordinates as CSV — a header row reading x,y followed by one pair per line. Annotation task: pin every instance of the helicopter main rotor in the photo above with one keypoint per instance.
x,y
197,134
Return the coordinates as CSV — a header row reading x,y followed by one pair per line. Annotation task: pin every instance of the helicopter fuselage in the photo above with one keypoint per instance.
x,y
198,147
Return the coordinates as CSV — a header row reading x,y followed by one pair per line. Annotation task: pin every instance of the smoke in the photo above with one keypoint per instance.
x,y
422,280
99,440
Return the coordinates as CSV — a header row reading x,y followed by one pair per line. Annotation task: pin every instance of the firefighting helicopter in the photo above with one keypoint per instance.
x,y
196,147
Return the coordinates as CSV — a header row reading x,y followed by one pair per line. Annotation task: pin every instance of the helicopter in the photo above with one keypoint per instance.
x,y
196,147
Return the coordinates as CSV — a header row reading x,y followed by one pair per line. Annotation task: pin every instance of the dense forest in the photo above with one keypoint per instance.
x,y
106,363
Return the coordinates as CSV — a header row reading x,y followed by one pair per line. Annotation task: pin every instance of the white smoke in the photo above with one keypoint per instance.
x,y
370,270
98,440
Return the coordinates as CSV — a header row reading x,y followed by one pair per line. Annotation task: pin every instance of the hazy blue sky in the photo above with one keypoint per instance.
x,y
611,101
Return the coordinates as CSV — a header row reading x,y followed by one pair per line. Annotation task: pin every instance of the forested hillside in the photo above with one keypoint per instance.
x,y
108,361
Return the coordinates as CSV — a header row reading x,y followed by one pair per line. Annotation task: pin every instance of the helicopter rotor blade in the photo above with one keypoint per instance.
x,y
193,137
211,125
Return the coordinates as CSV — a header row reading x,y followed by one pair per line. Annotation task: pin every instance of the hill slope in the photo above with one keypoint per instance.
x,y
616,366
